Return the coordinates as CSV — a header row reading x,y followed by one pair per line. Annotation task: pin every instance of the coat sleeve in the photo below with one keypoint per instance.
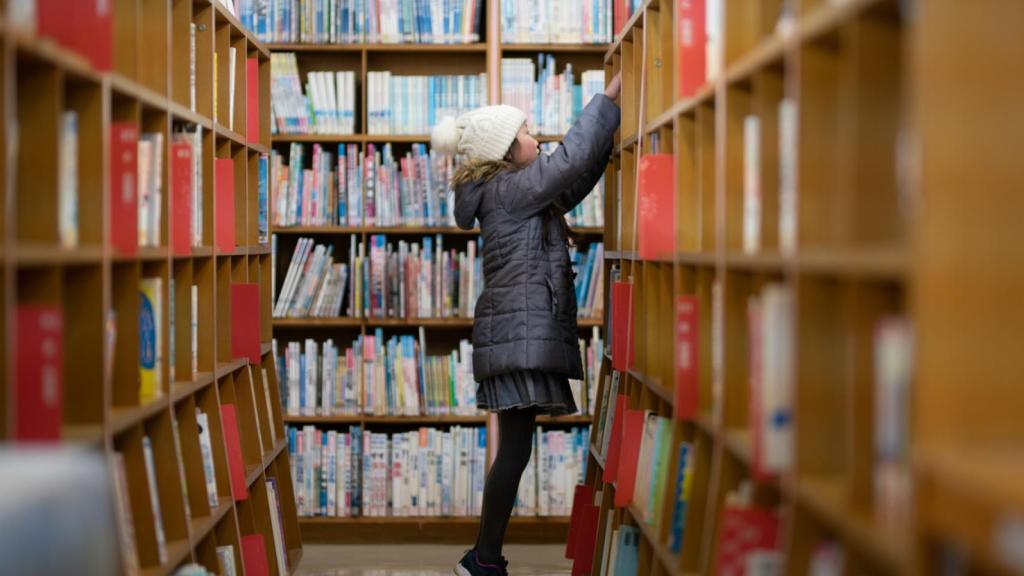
x,y
585,184
531,190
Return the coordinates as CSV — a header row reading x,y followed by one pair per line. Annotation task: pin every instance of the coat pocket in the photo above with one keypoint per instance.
x,y
554,296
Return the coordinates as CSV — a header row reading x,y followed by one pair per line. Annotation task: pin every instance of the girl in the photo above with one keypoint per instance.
x,y
525,346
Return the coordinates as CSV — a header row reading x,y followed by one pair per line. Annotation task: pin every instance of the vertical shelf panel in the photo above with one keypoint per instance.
x,y
39,105
125,285
154,26
84,328
126,39
85,97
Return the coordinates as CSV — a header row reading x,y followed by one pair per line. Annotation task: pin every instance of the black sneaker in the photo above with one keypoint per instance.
x,y
470,565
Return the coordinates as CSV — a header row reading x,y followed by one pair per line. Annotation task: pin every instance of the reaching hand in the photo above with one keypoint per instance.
x,y
614,87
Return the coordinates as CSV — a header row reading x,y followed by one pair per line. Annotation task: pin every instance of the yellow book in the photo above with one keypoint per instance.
x,y
150,339
214,86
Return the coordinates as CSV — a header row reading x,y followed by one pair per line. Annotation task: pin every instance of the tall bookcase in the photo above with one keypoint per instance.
x,y
897,210
443,335
148,86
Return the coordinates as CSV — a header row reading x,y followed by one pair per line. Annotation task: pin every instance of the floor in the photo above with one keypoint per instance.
x,y
423,560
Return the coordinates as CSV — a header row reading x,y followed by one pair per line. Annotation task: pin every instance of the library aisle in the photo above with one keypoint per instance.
x,y
238,313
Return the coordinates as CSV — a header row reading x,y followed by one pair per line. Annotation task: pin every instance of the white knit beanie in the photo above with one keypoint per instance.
x,y
482,134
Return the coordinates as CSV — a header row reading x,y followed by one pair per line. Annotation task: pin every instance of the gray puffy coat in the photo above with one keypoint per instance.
x,y
526,315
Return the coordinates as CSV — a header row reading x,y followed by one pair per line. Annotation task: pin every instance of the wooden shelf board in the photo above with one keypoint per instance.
x,y
177,552
427,530
185,388
660,391
122,418
570,419
828,498
88,434
549,137
294,558
134,90
739,443
182,113
252,473
827,17
286,230
145,254
201,527
697,258
258,250
319,138
201,252
447,230
399,520
397,138
225,368
762,262
669,561
37,255
597,457
882,263
480,47
628,142
266,348
258,147
985,473
706,423
47,50
627,31
317,322
769,52
366,419
572,48
225,132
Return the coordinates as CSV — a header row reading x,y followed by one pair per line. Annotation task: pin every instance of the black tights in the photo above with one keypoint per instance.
x,y
515,443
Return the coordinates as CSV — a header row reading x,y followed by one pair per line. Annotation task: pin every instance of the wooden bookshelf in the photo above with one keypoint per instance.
x,y
885,152
148,86
413,59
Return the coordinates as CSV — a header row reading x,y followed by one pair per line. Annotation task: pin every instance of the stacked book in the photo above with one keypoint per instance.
x,y
589,282
556,21
150,187
557,465
326,107
351,188
415,104
551,100
425,472
375,376
383,281
370,21
591,351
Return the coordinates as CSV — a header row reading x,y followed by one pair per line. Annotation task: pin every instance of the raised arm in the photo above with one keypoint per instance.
x,y
556,177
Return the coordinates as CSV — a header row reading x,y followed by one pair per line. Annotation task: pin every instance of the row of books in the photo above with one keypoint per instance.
x,y
354,188
426,472
557,464
377,376
358,21
589,282
327,107
753,224
382,280
556,21
552,101
415,104
590,212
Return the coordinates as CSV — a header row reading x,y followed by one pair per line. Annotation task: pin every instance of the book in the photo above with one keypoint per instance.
x,y
364,21
192,137
252,100
552,101
622,328
226,560
125,521
195,329
748,537
682,490
263,199
206,452
236,464
628,546
770,319
150,187
656,206
632,439
192,66
67,200
269,406
277,531
787,175
415,104
714,32
154,498
224,184
687,389
582,494
554,22
893,373
245,321
254,555
232,72
692,41
827,559
751,184
38,400
151,359
124,216
557,469
182,180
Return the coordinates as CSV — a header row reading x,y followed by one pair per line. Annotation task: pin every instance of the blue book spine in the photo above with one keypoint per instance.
x,y
681,504
302,382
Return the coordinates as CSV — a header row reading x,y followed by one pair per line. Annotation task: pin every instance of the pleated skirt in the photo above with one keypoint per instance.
x,y
550,393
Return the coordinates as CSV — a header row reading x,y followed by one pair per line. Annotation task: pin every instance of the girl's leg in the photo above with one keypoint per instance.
x,y
515,443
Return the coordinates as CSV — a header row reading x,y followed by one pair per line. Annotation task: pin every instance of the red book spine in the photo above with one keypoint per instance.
x,y
39,361
224,174
611,459
692,46
657,206
252,100
622,326
687,367
124,211
181,188
245,322
56,19
254,556
619,16
236,465
586,540
755,368
632,434
582,496
741,531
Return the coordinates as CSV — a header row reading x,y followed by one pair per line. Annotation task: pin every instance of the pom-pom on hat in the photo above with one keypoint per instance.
x,y
482,134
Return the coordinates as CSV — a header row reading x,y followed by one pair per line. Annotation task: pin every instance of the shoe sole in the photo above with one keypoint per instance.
x,y
460,571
